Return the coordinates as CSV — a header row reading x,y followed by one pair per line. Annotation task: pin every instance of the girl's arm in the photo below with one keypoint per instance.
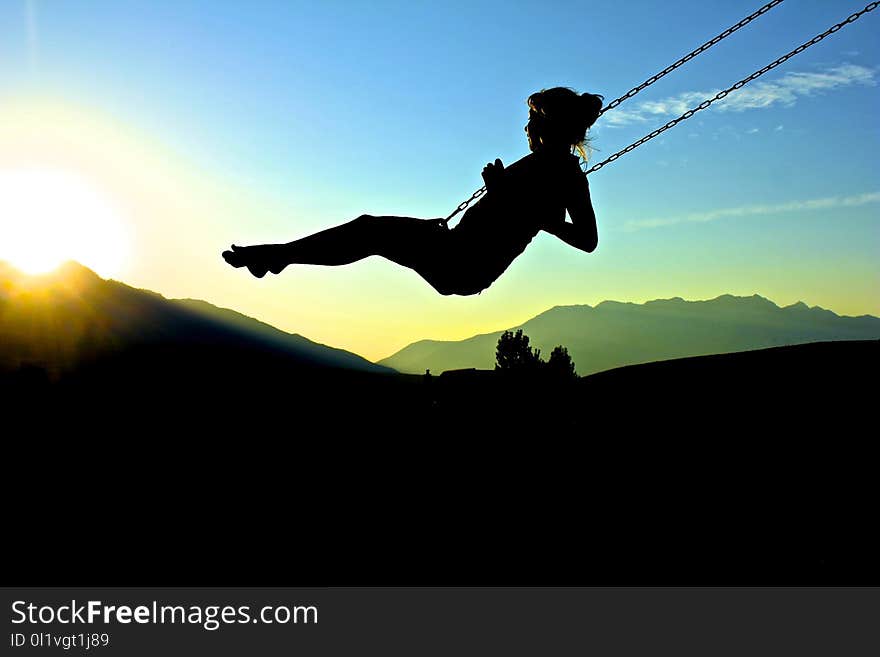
x,y
581,233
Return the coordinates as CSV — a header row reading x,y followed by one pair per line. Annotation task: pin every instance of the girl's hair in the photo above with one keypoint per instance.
x,y
570,115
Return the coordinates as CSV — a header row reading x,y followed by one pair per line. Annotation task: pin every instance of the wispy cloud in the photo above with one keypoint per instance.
x,y
751,210
757,95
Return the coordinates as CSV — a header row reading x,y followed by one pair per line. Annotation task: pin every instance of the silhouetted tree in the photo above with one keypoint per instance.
x,y
513,353
560,365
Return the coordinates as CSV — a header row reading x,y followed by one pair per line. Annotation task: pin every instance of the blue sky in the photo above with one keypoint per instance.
x,y
333,109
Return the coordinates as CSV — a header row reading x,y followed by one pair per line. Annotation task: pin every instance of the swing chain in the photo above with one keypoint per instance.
x,y
647,83
726,33
706,103
721,94
461,206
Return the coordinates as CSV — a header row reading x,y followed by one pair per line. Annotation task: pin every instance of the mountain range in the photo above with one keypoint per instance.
x,y
614,334
71,316
61,320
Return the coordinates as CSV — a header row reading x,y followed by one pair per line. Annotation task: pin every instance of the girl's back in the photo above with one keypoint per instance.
x,y
532,194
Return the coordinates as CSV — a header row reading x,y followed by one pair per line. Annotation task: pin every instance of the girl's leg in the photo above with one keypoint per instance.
x,y
413,243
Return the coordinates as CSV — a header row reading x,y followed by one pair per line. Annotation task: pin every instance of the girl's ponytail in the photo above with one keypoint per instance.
x,y
592,105
568,116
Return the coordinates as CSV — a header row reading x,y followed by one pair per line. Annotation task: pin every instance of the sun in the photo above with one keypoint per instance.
x,y
49,216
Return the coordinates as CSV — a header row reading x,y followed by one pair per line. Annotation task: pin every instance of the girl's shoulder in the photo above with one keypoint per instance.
x,y
545,162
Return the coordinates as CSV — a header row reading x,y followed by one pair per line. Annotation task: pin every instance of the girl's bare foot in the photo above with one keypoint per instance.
x,y
258,259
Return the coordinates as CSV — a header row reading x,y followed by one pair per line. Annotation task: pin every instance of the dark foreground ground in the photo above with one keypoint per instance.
x,y
210,469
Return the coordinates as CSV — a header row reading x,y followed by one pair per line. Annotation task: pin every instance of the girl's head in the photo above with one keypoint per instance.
x,y
560,117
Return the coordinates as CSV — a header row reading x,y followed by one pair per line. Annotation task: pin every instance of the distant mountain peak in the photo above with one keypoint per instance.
x,y
67,268
74,266
734,297
609,303
75,269
67,274
754,301
661,302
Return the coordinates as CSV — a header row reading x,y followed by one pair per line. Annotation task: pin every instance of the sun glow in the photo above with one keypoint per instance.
x,y
50,216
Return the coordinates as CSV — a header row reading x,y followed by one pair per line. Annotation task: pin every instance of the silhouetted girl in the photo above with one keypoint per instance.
x,y
530,195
